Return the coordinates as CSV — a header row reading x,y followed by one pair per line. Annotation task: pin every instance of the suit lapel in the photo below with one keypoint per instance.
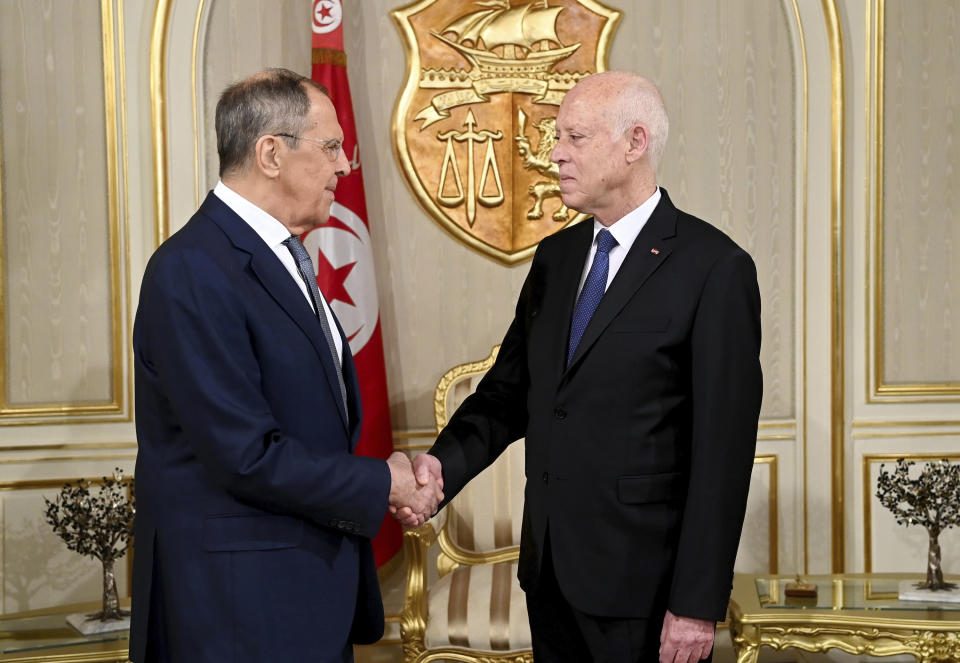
x,y
277,281
562,298
651,248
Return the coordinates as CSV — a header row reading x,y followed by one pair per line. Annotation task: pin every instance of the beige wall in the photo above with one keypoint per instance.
x,y
821,143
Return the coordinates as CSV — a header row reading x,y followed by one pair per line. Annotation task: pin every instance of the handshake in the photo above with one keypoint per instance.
x,y
416,489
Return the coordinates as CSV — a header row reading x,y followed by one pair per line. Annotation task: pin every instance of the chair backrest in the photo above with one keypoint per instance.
x,y
483,520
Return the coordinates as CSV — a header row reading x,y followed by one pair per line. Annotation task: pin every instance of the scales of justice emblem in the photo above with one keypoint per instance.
x,y
475,122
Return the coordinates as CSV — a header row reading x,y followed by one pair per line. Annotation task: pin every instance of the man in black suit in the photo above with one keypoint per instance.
x,y
632,369
254,516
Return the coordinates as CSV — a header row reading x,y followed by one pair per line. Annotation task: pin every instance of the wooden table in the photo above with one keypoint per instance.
x,y
857,613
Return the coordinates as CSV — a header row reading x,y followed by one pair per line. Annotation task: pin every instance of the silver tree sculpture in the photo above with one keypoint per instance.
x,y
932,499
96,525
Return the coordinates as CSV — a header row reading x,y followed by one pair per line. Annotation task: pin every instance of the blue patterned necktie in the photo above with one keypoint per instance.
x,y
593,289
305,267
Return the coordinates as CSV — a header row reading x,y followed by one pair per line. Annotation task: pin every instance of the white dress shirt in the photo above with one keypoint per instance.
x,y
625,231
273,233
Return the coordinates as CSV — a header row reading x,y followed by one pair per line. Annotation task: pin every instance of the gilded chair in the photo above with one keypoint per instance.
x,y
474,610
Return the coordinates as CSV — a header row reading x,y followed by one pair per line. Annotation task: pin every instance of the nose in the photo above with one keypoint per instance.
x,y
558,154
342,163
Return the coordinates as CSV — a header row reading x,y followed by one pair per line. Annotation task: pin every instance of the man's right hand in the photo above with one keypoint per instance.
x,y
412,501
427,468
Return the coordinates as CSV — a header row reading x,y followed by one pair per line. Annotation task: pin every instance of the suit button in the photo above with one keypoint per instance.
x,y
560,413
546,478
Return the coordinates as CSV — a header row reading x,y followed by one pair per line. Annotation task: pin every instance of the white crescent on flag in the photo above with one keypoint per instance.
x,y
343,244
327,15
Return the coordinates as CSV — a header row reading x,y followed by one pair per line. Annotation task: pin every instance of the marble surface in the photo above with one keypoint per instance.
x,y
80,621
909,592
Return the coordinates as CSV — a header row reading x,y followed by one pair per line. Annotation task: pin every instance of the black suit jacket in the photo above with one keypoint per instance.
x,y
254,517
639,453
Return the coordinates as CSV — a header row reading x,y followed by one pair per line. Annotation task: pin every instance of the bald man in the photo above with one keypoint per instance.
x,y
632,369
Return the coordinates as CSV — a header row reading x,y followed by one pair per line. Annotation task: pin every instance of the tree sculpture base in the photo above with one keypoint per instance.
x,y
91,625
110,617
910,592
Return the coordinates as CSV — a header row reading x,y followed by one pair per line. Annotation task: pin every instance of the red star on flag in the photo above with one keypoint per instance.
x,y
331,280
325,15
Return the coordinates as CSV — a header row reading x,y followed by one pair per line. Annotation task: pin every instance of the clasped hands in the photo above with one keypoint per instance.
x,y
416,489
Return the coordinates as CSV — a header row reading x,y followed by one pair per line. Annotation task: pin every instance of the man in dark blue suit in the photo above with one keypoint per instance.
x,y
254,517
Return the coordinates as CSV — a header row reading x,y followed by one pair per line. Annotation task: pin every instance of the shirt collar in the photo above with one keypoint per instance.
x,y
269,228
626,229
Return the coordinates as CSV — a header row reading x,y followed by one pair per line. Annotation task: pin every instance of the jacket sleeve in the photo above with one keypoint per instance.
x,y
727,385
495,415
192,348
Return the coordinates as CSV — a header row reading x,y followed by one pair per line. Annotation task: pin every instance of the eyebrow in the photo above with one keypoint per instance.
x,y
576,129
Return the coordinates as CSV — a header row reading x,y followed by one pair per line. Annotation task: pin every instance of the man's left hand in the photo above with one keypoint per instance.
x,y
685,639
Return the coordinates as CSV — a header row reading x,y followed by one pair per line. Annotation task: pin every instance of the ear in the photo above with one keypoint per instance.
x,y
638,141
267,157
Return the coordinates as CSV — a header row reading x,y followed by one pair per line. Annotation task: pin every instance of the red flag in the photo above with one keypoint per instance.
x,y
343,254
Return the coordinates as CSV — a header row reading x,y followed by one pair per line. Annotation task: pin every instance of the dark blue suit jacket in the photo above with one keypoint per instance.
x,y
253,514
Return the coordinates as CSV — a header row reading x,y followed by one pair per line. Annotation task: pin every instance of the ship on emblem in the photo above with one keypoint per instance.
x,y
484,78
523,33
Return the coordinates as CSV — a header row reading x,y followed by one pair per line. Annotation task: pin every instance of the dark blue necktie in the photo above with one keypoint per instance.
x,y
305,267
593,289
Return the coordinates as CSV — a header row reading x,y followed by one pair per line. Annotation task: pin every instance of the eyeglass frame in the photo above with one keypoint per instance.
x,y
330,145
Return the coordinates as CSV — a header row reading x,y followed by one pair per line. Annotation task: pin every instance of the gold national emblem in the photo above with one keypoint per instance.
x,y
475,122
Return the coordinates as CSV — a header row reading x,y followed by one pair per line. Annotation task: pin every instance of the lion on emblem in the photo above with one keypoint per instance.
x,y
540,161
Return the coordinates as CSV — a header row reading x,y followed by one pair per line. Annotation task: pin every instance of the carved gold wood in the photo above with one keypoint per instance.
x,y
931,636
474,124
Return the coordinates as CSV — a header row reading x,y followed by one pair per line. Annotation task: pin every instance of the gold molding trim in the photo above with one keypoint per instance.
x,y
194,105
866,460
803,265
128,331
867,435
773,518
158,116
790,424
3,289
40,484
112,45
69,445
837,290
879,423
878,390
110,82
45,459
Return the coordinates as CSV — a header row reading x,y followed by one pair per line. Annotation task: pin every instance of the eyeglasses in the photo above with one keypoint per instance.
x,y
331,146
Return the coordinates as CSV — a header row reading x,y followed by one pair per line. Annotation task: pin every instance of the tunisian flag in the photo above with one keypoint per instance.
x,y
343,254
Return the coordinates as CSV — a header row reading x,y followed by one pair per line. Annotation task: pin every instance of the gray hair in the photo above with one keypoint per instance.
x,y
638,101
273,101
